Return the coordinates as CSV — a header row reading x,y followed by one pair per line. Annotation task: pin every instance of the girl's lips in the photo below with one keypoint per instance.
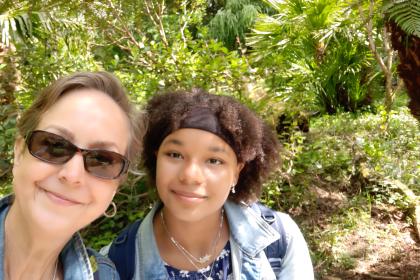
x,y
59,199
191,197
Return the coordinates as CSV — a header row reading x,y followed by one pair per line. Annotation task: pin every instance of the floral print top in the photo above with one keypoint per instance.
x,y
222,269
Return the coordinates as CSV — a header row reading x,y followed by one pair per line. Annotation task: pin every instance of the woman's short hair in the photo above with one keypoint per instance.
x,y
254,143
102,81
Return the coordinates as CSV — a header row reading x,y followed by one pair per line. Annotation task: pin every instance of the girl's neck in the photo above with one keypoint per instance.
x,y
200,238
191,233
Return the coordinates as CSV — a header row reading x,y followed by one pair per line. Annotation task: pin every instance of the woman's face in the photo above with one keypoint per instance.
x,y
65,197
195,172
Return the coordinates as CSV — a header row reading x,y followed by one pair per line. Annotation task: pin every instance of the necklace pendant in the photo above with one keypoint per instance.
x,y
204,259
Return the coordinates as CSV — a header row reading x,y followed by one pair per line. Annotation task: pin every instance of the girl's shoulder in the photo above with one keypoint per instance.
x,y
102,266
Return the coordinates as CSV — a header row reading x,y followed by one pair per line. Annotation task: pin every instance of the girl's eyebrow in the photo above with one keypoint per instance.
x,y
174,141
215,149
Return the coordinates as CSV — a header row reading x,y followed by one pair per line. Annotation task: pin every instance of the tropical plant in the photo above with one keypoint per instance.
x,y
313,52
406,14
232,21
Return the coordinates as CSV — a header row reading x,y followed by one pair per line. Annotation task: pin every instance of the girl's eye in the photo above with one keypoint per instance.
x,y
174,155
215,161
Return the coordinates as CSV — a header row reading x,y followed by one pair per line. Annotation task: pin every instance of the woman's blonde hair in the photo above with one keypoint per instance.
x,y
101,81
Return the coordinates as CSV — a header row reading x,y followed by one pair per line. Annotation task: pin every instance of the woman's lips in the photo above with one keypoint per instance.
x,y
59,199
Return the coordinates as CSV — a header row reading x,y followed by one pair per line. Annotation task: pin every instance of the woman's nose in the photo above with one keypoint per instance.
x,y
72,172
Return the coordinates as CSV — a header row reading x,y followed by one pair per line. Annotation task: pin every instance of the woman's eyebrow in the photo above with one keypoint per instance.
x,y
106,145
103,145
62,132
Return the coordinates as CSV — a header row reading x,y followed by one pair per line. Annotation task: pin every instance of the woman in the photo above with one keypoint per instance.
x,y
73,148
208,157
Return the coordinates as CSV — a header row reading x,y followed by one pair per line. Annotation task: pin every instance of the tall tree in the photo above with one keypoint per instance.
x,y
404,25
381,48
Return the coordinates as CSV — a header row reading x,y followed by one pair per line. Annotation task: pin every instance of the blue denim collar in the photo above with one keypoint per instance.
x,y
248,230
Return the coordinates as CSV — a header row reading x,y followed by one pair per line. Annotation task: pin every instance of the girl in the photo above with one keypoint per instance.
x,y
208,157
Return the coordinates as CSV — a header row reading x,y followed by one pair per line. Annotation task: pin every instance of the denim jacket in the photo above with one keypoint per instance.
x,y
249,235
78,262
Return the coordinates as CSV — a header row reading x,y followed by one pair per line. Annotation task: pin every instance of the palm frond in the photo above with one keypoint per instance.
x,y
18,25
406,13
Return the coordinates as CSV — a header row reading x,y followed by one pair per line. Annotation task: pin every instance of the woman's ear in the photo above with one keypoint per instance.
x,y
18,149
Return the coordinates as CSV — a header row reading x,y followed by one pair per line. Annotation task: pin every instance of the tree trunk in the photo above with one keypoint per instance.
x,y
408,47
9,78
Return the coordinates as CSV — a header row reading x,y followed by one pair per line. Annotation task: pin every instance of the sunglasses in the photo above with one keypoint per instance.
x,y
55,149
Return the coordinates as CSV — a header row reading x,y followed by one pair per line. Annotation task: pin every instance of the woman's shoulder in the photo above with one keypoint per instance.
x,y
5,201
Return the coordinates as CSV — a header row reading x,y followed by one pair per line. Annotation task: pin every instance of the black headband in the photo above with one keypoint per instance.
x,y
205,119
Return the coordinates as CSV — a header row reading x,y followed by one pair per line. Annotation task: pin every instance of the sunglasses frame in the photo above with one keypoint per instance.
x,y
84,152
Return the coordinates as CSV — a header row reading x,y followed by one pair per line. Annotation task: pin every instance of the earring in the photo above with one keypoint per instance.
x,y
232,188
110,214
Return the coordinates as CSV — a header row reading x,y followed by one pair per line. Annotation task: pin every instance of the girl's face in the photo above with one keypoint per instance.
x,y
195,172
65,197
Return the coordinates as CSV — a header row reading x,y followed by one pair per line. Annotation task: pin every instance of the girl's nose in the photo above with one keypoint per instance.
x,y
191,173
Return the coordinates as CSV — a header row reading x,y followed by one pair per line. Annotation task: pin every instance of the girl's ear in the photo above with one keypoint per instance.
x,y
18,149
239,168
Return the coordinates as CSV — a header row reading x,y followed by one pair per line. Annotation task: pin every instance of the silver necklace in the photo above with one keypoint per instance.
x,y
190,257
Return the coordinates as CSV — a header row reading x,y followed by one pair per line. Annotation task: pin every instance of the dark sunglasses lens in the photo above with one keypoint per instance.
x,y
105,164
50,147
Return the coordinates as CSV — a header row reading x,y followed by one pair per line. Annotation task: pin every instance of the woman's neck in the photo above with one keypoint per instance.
x,y
32,253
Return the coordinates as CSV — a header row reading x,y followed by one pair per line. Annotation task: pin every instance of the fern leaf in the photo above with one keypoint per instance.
x,y
406,13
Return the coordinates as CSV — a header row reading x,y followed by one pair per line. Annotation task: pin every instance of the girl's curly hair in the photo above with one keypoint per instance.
x,y
254,143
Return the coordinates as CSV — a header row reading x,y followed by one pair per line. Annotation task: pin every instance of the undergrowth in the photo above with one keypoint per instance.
x,y
333,176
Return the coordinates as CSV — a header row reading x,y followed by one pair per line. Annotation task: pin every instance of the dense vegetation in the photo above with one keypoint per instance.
x,y
322,72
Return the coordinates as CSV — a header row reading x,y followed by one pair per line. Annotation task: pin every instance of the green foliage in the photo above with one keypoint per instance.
x,y
133,202
352,152
343,78
155,54
302,57
50,57
20,21
315,55
406,13
334,175
233,20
